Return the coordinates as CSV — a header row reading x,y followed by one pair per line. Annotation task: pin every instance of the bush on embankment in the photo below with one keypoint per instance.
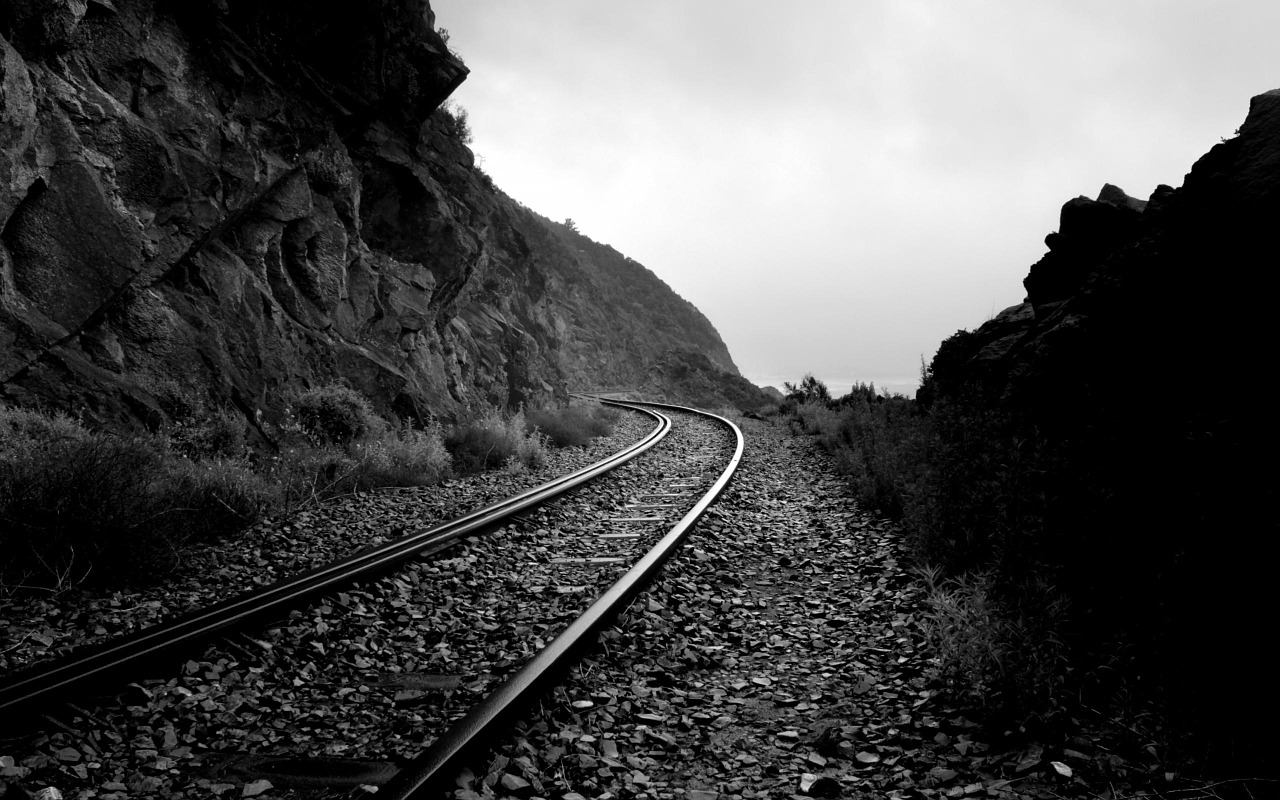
x,y
495,441
331,442
80,507
519,440
573,426
877,440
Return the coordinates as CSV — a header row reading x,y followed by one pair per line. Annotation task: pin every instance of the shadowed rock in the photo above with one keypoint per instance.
x,y
1132,370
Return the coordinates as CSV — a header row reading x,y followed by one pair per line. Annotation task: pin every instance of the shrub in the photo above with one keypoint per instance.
x,y
988,496
1022,512
878,441
70,506
880,445
573,426
77,506
221,435
214,498
495,441
335,415
612,415
20,429
411,458
814,419
809,390
310,474
531,451
456,120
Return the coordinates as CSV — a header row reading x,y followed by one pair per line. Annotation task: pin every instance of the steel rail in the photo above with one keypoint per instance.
x,y
429,774
28,690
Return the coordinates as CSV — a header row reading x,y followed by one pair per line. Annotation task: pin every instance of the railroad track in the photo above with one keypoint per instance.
x,y
605,541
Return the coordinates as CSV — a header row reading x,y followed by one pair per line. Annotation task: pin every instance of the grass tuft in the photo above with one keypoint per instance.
x,y
495,441
992,652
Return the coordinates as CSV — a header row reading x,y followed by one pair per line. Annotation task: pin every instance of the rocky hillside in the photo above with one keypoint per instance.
x,y
1131,384
216,202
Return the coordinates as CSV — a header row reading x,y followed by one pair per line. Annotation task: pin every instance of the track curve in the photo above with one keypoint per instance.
x,y
431,772
230,705
31,689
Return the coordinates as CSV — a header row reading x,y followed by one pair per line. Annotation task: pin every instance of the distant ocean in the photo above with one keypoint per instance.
x,y
841,386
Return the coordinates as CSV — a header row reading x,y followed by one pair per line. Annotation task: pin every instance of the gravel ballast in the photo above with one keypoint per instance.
x,y
780,654
375,672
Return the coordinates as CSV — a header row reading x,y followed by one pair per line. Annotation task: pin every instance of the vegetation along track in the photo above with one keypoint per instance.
x,y
353,685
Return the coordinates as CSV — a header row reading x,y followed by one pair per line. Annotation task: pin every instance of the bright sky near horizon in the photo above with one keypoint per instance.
x,y
838,184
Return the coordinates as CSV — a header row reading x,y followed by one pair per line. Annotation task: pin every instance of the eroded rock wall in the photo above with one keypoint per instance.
x,y
217,202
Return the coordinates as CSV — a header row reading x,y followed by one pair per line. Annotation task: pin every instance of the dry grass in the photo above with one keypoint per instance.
x,y
79,506
573,426
495,441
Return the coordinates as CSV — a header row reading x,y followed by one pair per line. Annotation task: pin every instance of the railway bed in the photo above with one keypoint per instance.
x,y
348,690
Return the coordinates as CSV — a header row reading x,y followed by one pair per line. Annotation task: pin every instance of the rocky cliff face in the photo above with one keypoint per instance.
x,y
210,202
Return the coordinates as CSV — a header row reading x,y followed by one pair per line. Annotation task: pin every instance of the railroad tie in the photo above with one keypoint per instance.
x,y
323,772
238,648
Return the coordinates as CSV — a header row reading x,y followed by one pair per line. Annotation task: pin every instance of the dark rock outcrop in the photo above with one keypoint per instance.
x,y
1088,230
1133,373
214,202
1129,288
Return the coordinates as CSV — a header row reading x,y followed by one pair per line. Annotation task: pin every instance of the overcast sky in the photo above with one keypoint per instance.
x,y
841,184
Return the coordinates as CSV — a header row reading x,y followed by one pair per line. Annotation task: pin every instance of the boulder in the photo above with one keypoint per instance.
x,y
1088,232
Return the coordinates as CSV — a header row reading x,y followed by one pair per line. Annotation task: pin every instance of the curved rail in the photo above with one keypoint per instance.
x,y
46,683
429,774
